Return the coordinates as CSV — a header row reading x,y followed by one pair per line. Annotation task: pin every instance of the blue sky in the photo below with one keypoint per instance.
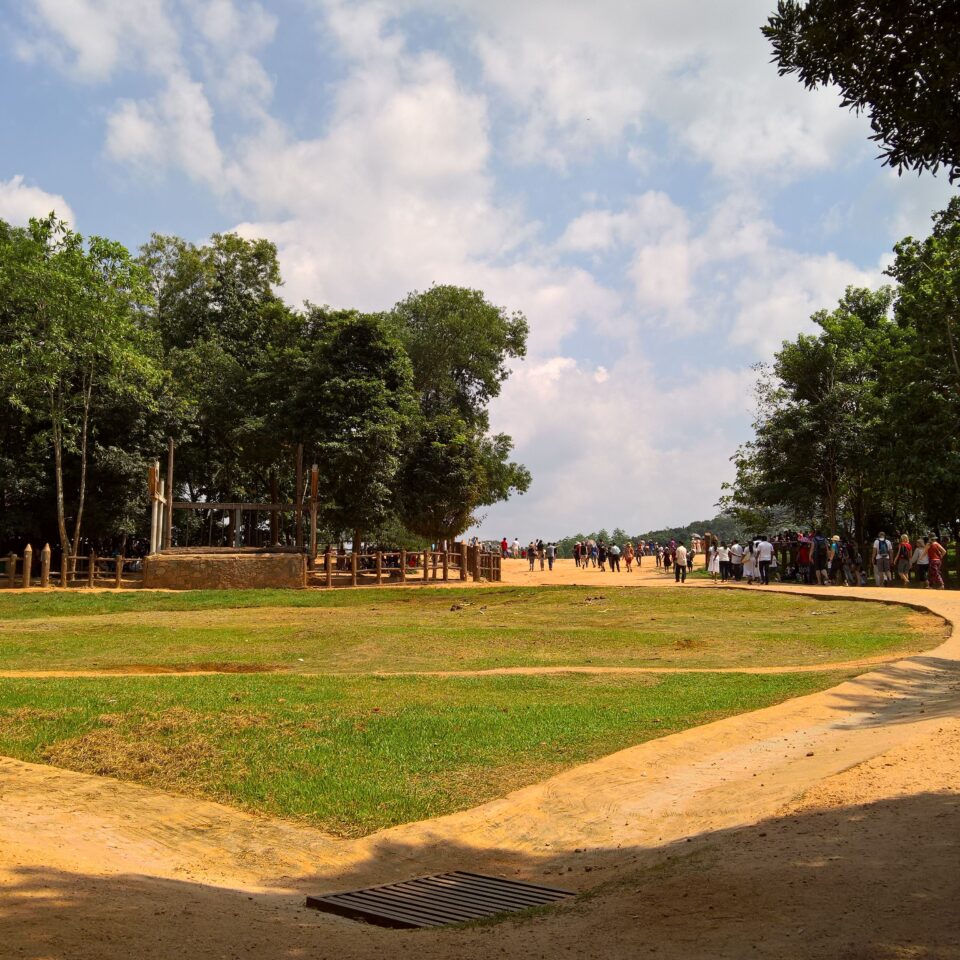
x,y
633,176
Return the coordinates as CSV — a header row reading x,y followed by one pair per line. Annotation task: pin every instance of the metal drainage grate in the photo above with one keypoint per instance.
x,y
438,900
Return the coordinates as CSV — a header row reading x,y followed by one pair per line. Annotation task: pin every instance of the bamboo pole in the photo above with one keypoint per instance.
x,y
168,515
27,565
314,492
45,566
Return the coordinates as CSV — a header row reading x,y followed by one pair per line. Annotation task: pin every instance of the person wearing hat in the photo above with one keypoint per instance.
x,y
834,563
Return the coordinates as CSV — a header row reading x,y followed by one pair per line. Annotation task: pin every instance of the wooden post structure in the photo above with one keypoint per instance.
x,y
426,565
463,561
118,580
11,569
168,516
379,567
446,565
298,499
237,528
92,569
328,561
153,484
403,566
353,568
45,566
27,565
314,492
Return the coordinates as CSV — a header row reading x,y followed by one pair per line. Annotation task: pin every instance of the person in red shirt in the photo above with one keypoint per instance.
x,y
902,561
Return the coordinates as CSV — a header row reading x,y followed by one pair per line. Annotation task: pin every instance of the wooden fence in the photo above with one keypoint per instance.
x,y
463,562
28,570
329,569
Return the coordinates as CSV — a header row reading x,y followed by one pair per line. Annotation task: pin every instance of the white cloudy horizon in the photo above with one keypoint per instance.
x,y
634,177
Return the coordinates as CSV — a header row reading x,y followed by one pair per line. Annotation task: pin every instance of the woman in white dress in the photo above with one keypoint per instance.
x,y
750,562
713,561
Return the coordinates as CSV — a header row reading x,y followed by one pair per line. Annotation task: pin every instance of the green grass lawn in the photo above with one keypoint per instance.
x,y
355,754
364,631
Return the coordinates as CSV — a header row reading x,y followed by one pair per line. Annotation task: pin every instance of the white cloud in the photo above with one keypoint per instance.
x,y
20,201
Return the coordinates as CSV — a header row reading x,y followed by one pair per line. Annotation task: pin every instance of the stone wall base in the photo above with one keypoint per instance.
x,y
234,571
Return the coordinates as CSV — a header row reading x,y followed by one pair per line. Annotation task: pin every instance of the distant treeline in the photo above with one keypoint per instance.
x,y
724,527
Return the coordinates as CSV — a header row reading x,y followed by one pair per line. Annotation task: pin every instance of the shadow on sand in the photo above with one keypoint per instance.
x,y
875,881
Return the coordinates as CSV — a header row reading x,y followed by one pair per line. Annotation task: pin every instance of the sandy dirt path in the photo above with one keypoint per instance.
x,y
771,821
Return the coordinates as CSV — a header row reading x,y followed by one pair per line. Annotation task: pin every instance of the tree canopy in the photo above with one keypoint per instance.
x,y
896,60
103,355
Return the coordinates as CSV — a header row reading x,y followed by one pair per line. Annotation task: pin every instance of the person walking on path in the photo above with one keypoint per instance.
x,y
921,561
515,548
723,555
736,560
602,556
614,558
532,554
882,553
680,564
764,556
935,554
576,554
904,559
628,557
551,551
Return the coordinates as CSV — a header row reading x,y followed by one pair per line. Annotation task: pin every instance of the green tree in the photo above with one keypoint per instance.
x,y
820,449
224,331
352,407
71,338
894,59
460,347
926,388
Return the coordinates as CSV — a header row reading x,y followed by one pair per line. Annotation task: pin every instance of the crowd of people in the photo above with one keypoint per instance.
x,y
811,557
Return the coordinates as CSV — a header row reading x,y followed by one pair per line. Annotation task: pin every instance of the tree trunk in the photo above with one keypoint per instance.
x,y
66,547
87,398
956,547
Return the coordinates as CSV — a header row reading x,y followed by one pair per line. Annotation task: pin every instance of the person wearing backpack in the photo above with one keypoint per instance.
x,y
882,551
819,557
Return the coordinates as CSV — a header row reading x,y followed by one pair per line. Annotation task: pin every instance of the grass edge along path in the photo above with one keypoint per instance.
x,y
354,755
368,631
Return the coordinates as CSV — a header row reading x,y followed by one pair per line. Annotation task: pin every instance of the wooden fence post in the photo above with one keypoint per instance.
x,y
314,492
328,563
426,565
446,565
119,577
92,569
45,566
379,567
27,565
463,561
403,566
11,569
64,569
353,568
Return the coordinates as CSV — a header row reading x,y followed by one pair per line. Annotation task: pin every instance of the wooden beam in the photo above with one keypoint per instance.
x,y
217,505
299,497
